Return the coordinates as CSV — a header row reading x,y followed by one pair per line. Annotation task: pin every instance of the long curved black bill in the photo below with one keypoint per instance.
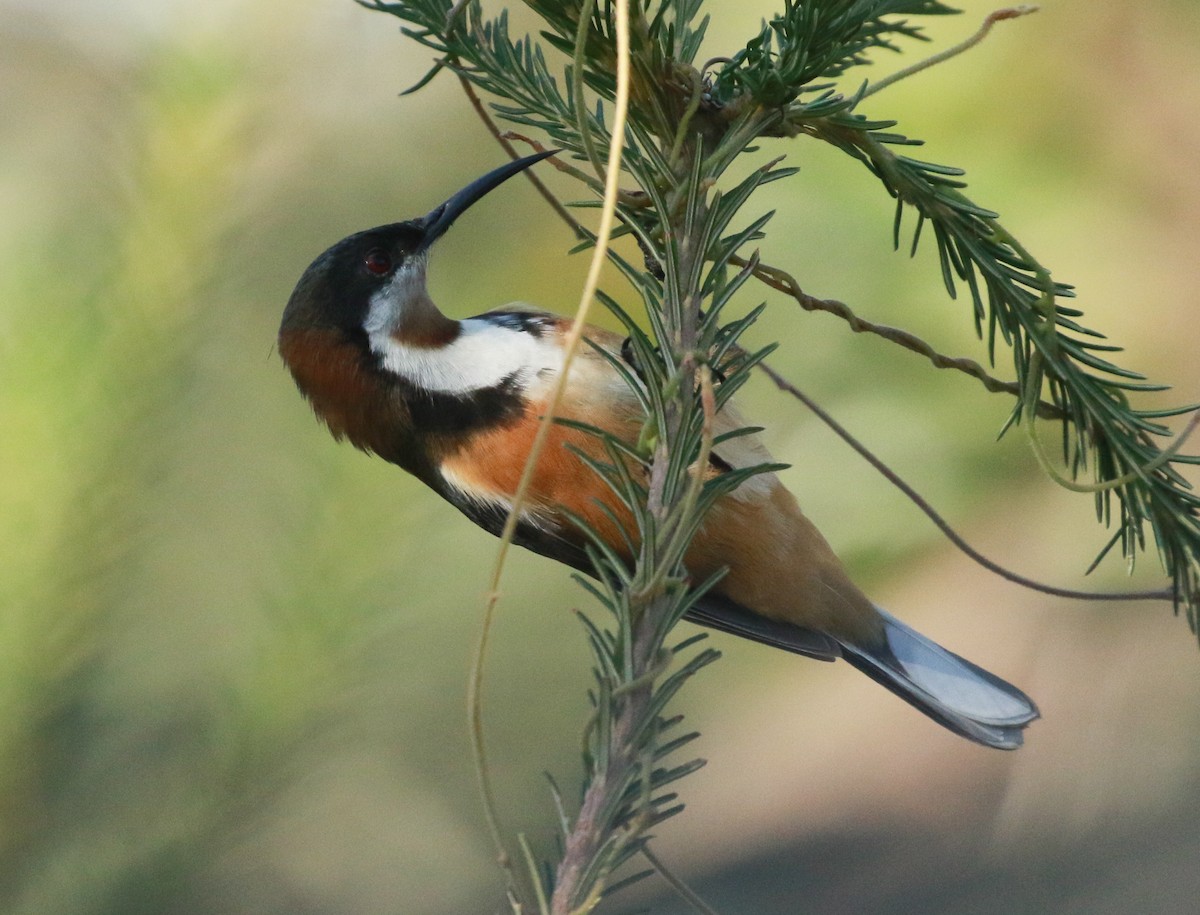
x,y
438,220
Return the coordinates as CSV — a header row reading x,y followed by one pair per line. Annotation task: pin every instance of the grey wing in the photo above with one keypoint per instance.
x,y
720,613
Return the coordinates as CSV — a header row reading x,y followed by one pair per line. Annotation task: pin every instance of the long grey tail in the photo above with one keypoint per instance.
x,y
951,690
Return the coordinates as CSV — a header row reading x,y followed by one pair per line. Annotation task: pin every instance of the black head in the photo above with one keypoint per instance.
x,y
337,288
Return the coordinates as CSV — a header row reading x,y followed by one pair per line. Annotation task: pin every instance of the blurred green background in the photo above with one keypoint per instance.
x,y
233,655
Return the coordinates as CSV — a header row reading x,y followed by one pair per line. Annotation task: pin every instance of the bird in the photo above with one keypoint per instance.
x,y
457,404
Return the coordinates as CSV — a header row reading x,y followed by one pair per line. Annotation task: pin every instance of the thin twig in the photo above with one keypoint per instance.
x,y
952,535
943,56
565,167
784,282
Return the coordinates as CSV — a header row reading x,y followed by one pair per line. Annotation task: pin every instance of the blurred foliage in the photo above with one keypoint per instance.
x,y
232,657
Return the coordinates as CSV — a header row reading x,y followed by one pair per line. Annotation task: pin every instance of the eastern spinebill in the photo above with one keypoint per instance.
x,y
457,404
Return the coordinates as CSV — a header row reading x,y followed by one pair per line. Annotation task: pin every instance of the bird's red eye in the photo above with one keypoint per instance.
x,y
378,262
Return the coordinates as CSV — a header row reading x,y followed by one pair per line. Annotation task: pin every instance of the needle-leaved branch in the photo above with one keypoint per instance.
x,y
688,122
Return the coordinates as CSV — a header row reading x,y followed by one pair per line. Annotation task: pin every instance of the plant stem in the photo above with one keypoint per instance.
x,y
587,833
944,526
941,57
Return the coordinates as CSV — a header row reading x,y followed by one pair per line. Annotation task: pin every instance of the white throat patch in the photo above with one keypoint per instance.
x,y
482,356
387,304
